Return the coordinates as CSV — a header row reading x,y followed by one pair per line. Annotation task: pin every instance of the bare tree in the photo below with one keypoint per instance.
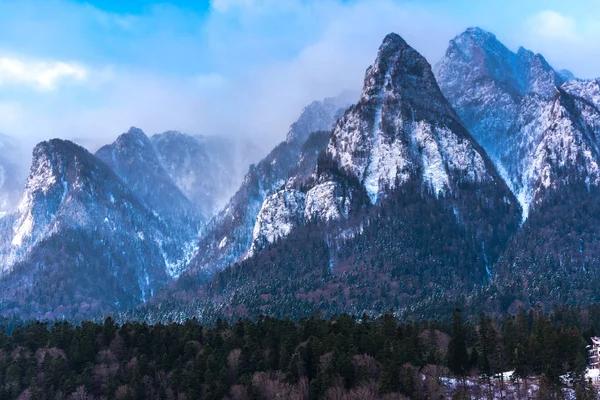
x,y
81,394
237,392
234,360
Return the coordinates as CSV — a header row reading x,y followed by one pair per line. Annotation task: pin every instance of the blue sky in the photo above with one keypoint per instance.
x,y
90,69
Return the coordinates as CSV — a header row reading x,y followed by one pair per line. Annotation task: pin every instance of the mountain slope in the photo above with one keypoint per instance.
x,y
81,242
402,130
543,133
132,157
522,112
485,82
403,205
229,234
553,258
207,170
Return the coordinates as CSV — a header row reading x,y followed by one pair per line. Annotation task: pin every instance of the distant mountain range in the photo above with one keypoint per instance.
x,y
98,233
474,182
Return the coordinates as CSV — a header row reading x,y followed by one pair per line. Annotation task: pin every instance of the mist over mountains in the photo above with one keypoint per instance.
x,y
474,181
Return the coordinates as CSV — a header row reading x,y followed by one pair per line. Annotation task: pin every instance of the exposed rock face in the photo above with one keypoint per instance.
x,y
403,127
280,213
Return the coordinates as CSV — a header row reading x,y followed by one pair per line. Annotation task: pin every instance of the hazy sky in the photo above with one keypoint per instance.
x,y
90,69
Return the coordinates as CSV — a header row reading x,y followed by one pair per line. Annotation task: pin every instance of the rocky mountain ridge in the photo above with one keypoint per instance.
x,y
229,235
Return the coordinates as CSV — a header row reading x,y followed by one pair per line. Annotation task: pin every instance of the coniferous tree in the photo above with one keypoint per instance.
x,y
458,357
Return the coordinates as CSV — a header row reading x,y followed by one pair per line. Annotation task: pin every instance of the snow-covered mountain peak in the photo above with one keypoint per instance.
x,y
477,56
403,127
398,70
60,171
133,158
54,163
134,142
477,33
540,130
470,43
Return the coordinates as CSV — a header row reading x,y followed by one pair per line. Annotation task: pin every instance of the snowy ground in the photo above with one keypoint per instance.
x,y
504,387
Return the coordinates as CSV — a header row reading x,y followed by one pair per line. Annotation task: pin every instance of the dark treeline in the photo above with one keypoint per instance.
x,y
341,358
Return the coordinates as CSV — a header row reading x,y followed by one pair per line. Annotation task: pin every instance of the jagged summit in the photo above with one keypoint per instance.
x,y
519,108
402,132
403,126
135,132
472,39
63,171
476,35
399,67
477,54
134,140
133,158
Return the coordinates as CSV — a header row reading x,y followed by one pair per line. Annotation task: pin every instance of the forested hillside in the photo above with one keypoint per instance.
x,y
341,358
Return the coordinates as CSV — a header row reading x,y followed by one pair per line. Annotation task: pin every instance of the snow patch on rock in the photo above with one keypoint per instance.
x,y
325,202
280,213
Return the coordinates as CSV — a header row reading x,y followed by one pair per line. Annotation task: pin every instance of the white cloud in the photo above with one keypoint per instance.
x,y
253,75
223,6
245,68
226,5
210,81
340,44
11,113
553,25
44,75
564,41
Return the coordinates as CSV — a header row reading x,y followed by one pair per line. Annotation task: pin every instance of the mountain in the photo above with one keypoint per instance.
x,y
133,158
207,169
485,82
401,130
81,242
543,133
522,112
12,174
553,258
228,235
402,206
